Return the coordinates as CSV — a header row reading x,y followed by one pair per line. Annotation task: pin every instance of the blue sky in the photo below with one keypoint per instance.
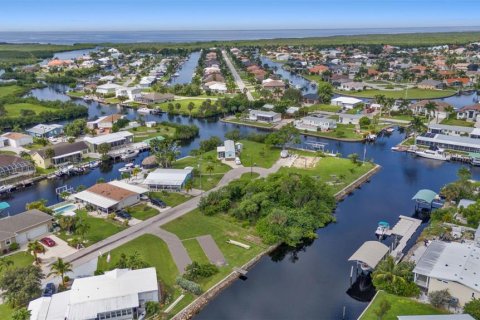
x,y
105,15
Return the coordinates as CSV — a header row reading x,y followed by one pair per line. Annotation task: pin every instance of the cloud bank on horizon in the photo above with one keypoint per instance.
x,y
85,15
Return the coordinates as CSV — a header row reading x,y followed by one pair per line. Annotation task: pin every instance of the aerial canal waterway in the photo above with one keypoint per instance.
x,y
187,69
309,283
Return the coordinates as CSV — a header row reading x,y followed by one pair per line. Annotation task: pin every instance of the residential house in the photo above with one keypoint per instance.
x,y
168,179
215,86
315,123
457,82
24,227
292,110
264,116
131,93
318,69
147,82
346,102
17,140
268,106
108,88
116,140
11,165
151,98
111,196
120,294
105,122
345,118
453,266
45,130
469,113
310,98
272,85
63,153
450,130
441,112
460,143
431,84
227,151
352,86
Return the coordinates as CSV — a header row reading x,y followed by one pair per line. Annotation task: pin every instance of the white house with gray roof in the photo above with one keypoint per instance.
x,y
315,123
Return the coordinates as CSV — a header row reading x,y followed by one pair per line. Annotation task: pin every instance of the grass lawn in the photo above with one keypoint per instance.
x,y
221,228
5,311
250,123
413,93
154,251
258,154
112,100
143,133
313,77
142,211
338,172
400,306
195,251
76,94
20,259
208,179
99,229
324,107
172,199
343,131
13,110
184,106
10,90
457,122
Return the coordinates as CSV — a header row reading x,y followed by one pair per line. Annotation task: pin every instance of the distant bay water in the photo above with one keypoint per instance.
x,y
70,37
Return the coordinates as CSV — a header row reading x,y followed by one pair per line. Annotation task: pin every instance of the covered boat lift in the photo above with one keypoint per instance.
x,y
369,254
424,199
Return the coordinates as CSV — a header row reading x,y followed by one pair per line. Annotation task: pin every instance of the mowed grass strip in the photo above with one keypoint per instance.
x,y
14,110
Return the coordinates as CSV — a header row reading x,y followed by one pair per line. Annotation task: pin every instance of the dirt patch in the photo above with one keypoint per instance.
x,y
304,162
231,234
253,239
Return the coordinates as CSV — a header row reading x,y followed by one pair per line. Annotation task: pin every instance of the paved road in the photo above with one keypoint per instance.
x,y
179,253
152,224
236,76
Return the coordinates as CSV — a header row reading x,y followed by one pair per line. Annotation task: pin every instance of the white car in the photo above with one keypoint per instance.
x,y
237,161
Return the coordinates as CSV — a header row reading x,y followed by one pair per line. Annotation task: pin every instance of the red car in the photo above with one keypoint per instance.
x,y
48,242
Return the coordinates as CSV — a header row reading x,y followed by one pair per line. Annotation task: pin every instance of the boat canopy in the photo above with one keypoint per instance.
x,y
370,253
4,205
425,196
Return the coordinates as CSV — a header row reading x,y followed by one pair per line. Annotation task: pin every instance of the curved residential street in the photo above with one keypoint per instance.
x,y
238,80
153,224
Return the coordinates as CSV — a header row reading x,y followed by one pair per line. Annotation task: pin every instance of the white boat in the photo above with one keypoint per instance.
x,y
144,110
6,188
127,168
371,137
129,154
476,162
382,229
389,130
438,154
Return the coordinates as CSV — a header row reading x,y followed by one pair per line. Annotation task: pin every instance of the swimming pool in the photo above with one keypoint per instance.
x,y
64,209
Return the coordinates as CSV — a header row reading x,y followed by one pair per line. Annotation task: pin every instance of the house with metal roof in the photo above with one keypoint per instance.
x,y
168,179
346,102
465,144
45,130
23,227
264,116
458,316
115,140
227,151
450,130
118,294
63,153
315,123
111,196
17,139
454,266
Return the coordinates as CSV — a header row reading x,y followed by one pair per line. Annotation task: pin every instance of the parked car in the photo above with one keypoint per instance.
x,y
158,203
123,214
49,290
237,161
48,242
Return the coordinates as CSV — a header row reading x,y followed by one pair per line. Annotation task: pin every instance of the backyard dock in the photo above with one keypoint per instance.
x,y
404,231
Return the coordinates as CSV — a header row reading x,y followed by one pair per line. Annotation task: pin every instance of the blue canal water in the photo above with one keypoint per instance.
x,y
311,282
187,70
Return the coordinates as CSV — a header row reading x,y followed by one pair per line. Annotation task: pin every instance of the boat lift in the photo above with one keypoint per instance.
x,y
62,189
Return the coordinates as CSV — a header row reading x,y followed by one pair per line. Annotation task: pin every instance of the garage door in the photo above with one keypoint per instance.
x,y
21,238
37,232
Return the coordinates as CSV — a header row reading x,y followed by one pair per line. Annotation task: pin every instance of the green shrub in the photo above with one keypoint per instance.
x,y
13,246
188,285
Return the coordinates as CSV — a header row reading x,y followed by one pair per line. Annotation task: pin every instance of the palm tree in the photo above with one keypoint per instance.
x,y
416,126
431,108
209,168
190,107
35,247
5,263
81,228
450,111
388,271
189,185
60,268
136,171
21,314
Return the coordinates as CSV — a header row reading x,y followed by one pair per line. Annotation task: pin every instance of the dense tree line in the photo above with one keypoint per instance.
x,y
286,208
60,111
182,131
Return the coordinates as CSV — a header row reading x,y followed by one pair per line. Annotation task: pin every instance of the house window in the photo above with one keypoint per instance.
x,y
8,242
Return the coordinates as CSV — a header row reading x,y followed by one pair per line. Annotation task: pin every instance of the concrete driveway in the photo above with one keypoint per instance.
x,y
60,250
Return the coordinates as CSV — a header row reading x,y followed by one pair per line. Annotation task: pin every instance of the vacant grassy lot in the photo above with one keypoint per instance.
x,y
258,154
10,90
212,170
400,306
413,93
457,122
143,133
13,110
343,131
324,107
172,199
337,172
99,228
250,123
184,106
